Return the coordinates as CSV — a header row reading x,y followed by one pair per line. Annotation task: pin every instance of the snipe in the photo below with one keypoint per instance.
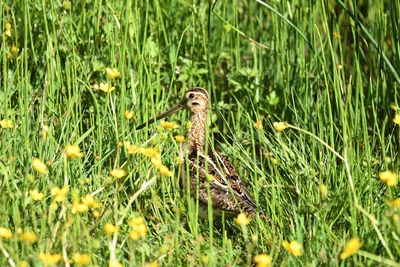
x,y
227,192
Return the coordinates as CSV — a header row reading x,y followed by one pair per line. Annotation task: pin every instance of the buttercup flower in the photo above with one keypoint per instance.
x,y
112,73
388,177
6,124
39,166
262,260
59,193
28,237
167,125
164,171
49,259
128,115
118,173
36,195
351,248
5,233
110,228
293,247
106,87
280,126
81,258
258,125
180,138
396,118
73,151
242,219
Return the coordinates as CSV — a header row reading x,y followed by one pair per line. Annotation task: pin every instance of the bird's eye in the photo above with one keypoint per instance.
x,y
191,95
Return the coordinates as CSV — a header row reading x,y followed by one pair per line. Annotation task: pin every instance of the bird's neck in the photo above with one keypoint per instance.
x,y
197,133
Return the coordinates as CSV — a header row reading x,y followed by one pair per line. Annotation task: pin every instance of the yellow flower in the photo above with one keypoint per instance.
x,y
8,29
112,73
49,259
281,126
205,259
164,171
96,214
323,189
262,260
59,193
110,228
106,87
39,165
167,125
118,173
5,233
132,149
396,118
188,125
258,125
73,151
351,248
128,115
44,132
210,177
180,138
23,263
294,247
28,237
139,229
150,152
79,208
242,219
6,124
114,263
135,221
36,195
89,201
151,264
394,203
156,162
388,177
81,259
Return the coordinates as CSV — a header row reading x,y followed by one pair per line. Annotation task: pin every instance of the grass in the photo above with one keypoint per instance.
x,y
330,69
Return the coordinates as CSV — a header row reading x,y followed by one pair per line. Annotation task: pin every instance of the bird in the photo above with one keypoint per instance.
x,y
206,173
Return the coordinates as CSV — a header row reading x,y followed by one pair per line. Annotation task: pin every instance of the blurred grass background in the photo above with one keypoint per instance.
x,y
327,67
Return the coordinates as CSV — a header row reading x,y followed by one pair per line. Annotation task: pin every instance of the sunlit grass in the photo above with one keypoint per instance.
x,y
304,102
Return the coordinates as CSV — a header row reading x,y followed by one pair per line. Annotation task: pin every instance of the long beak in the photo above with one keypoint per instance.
x,y
162,115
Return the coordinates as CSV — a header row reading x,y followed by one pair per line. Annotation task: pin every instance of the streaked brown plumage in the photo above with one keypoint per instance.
x,y
227,192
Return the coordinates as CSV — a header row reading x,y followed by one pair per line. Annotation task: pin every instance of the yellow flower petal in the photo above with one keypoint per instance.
x,y
293,247
112,73
110,229
39,166
73,151
106,87
6,124
36,195
258,125
180,138
167,125
396,118
164,171
118,173
49,259
262,260
281,126
28,237
388,177
128,115
394,203
242,219
5,233
351,248
81,258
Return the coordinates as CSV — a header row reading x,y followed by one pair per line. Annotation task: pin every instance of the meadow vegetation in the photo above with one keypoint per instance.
x,y
305,102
